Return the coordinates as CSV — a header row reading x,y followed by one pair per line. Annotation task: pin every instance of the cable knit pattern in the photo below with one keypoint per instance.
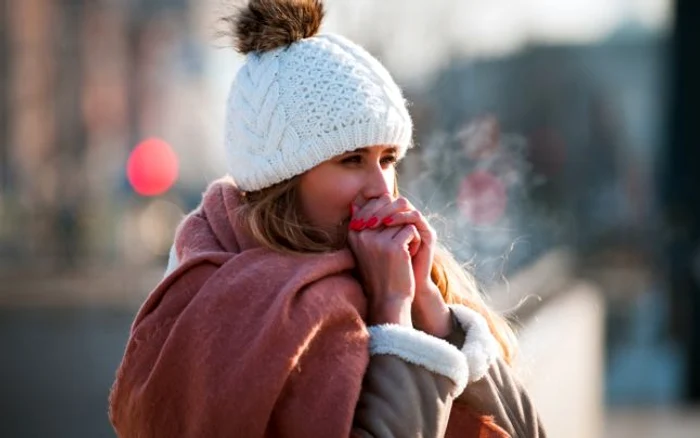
x,y
292,108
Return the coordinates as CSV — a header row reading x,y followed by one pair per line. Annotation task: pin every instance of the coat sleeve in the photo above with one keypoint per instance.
x,y
384,381
409,386
498,393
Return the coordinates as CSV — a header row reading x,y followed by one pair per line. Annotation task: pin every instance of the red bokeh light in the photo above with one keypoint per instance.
x,y
152,168
482,198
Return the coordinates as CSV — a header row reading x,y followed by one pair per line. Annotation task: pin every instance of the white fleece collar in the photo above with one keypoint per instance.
x,y
479,351
419,348
480,347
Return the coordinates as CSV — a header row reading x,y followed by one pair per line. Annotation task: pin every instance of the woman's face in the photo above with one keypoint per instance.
x,y
327,190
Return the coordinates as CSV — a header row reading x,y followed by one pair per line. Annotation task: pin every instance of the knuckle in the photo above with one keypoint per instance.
x,y
371,203
402,203
362,208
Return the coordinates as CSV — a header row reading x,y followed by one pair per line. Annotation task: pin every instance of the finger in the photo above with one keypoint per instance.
x,y
409,238
366,216
398,205
414,217
414,246
402,218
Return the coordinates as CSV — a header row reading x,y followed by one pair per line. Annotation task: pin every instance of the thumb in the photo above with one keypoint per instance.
x,y
409,238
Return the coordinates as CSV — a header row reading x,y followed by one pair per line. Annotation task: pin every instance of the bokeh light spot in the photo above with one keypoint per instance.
x,y
152,168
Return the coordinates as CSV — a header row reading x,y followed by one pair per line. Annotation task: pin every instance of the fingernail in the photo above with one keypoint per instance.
x,y
387,220
357,224
372,222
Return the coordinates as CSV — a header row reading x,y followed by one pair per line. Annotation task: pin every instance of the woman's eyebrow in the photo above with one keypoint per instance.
x,y
364,150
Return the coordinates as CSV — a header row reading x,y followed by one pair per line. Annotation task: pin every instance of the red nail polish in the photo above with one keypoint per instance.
x,y
387,220
372,222
354,224
361,224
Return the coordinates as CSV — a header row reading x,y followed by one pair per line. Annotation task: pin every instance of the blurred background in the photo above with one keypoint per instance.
x,y
554,144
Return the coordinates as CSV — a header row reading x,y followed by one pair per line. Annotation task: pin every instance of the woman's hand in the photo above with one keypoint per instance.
x,y
384,263
429,311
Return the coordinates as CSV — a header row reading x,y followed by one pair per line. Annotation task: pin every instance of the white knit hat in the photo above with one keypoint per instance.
x,y
299,101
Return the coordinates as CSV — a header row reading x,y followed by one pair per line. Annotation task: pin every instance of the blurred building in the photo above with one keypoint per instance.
x,y
583,138
82,83
539,123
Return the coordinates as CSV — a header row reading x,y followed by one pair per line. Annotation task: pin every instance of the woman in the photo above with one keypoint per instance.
x,y
309,299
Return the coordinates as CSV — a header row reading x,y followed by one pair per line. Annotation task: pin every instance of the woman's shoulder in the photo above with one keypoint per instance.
x,y
260,280
255,289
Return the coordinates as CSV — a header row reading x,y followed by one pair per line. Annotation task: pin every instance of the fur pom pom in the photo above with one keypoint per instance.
x,y
264,25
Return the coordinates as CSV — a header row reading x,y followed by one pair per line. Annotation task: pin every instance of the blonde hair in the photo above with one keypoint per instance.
x,y
273,217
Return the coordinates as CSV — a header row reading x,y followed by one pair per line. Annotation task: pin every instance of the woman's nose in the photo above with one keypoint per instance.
x,y
378,183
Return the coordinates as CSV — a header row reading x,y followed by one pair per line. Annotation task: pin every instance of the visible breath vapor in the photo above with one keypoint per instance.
x,y
474,185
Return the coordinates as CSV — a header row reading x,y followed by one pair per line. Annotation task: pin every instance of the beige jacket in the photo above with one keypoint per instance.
x,y
404,399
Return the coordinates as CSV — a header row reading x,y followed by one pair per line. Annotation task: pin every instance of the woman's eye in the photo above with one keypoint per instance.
x,y
357,159
352,159
389,159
